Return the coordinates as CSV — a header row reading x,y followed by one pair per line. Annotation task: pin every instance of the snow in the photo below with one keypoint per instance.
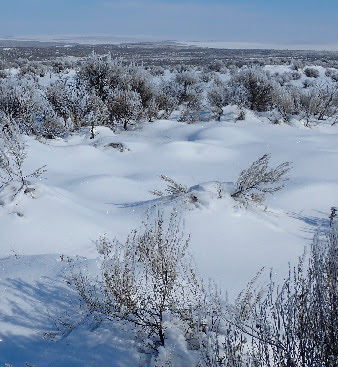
x,y
260,45
91,39
91,189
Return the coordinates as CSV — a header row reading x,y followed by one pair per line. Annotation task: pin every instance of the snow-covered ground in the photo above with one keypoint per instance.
x,y
91,188
260,45
92,39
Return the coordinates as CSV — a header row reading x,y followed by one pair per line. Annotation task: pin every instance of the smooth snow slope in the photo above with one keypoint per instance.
x,y
91,189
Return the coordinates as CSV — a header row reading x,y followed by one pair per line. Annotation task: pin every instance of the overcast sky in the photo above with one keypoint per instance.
x,y
284,21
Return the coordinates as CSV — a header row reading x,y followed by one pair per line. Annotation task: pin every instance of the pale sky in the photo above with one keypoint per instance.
x,y
283,21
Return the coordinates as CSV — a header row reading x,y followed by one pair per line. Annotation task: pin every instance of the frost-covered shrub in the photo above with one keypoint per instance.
x,y
297,64
173,188
22,100
72,101
296,324
285,99
124,106
18,99
60,65
295,75
149,280
206,76
49,124
192,104
58,96
3,74
308,83
217,98
259,179
12,156
332,73
189,82
311,72
216,66
168,97
251,88
96,72
152,110
319,101
139,80
156,70
189,97
33,68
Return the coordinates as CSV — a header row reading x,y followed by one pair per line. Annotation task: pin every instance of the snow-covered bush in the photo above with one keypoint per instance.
x,y
294,75
168,97
217,98
96,73
139,80
251,88
320,101
186,79
190,98
173,188
124,106
191,105
149,280
34,69
332,73
259,179
72,101
311,72
12,157
18,99
297,64
296,324
286,100
27,104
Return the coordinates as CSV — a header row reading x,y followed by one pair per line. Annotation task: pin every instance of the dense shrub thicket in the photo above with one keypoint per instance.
x,y
52,100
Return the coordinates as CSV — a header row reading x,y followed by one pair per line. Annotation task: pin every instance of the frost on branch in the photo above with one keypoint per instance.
x,y
296,323
12,156
173,188
258,180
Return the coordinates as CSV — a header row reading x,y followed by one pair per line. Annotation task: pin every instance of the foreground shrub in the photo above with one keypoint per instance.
x,y
296,324
149,280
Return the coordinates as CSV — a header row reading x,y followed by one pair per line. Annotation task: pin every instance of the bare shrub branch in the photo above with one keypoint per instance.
x,y
259,179
173,188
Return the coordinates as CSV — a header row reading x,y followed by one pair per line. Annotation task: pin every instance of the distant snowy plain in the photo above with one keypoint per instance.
x,y
91,188
71,39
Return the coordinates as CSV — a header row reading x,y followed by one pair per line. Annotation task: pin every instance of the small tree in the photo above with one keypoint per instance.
x,y
259,179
